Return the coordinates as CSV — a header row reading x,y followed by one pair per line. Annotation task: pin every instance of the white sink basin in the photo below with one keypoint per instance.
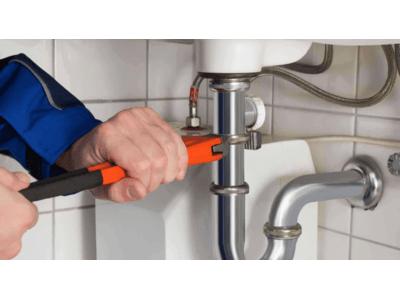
x,y
249,56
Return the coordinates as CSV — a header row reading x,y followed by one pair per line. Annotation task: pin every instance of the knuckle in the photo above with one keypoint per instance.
x,y
105,129
148,109
160,162
143,166
124,116
170,145
176,137
28,216
141,194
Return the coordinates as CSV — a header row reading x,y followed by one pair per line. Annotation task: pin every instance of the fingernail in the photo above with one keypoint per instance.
x,y
131,193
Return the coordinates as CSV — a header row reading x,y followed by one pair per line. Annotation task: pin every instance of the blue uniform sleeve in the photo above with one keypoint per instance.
x,y
39,119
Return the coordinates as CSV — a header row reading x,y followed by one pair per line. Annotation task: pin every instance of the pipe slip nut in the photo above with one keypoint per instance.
x,y
282,233
229,190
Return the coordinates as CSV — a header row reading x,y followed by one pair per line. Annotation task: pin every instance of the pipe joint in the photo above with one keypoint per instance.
x,y
229,190
282,233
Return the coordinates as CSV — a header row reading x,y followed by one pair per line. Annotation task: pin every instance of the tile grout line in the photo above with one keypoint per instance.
x,y
272,104
76,208
147,73
53,201
100,101
342,113
359,238
355,132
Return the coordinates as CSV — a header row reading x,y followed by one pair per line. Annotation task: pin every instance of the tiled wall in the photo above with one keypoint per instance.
x,y
113,75
108,76
346,233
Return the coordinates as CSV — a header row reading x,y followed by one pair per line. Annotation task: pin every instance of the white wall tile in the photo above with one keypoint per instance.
x,y
365,250
40,51
171,110
171,68
328,157
335,214
102,69
332,245
381,224
372,75
340,79
202,110
75,234
37,243
73,201
104,111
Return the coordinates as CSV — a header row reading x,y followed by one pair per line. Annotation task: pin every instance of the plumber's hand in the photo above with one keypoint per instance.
x,y
17,214
140,142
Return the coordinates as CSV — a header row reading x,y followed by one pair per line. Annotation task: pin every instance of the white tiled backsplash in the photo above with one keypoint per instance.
x,y
111,75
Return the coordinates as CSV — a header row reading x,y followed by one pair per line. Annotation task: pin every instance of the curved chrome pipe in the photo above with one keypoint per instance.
x,y
360,182
229,184
313,188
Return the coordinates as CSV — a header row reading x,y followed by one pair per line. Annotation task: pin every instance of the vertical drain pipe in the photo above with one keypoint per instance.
x,y
229,185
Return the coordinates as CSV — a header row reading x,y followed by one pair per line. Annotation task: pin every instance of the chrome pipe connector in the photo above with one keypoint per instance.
x,y
229,190
360,180
282,233
229,185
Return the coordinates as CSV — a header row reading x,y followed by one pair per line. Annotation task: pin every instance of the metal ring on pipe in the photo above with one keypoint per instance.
x,y
229,190
282,233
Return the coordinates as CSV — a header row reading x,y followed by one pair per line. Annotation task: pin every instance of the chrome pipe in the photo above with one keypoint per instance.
x,y
360,182
313,188
229,185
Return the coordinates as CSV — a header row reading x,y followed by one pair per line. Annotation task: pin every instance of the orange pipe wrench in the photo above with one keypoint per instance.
x,y
201,150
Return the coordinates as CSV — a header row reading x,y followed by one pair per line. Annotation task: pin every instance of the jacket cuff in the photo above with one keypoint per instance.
x,y
44,115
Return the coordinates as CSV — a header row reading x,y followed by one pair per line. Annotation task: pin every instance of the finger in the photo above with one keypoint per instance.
x,y
182,156
182,151
131,158
26,215
24,180
158,158
11,251
13,181
161,136
170,149
127,189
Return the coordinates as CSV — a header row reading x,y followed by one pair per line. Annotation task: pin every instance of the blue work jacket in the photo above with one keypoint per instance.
x,y
39,119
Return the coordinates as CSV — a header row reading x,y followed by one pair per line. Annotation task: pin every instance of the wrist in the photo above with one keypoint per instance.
x,y
64,161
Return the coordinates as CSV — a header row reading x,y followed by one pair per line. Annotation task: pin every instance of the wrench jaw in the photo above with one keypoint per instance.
x,y
219,149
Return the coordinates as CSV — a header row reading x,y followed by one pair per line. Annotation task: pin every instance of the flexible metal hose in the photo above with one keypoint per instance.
x,y
397,55
362,102
314,69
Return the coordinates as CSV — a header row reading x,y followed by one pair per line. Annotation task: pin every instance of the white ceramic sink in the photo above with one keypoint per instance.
x,y
249,56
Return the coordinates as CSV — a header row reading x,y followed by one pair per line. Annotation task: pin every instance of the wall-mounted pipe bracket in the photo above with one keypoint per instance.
x,y
369,169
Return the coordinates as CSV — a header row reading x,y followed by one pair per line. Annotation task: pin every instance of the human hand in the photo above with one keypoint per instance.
x,y
17,214
140,142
